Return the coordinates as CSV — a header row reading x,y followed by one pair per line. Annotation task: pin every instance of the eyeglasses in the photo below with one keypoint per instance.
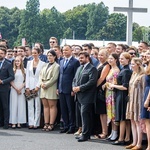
x,y
10,54
132,53
52,41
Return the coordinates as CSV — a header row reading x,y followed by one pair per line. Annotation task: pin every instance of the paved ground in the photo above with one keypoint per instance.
x,y
25,139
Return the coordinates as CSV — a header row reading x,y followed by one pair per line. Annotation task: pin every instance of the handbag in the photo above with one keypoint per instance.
x,y
31,96
101,95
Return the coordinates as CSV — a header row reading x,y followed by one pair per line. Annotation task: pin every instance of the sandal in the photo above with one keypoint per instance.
x,y
101,136
45,127
50,127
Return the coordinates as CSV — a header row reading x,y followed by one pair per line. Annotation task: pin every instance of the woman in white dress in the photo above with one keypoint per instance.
x,y
32,83
17,99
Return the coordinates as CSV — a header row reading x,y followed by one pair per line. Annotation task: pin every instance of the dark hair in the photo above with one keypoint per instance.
x,y
9,50
53,53
41,47
86,55
123,47
3,49
145,43
116,57
87,45
3,46
21,47
112,44
37,49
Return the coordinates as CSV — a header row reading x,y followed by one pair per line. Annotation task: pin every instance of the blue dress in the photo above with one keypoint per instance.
x,y
144,113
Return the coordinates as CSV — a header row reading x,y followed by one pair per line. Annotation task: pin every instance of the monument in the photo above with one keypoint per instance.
x,y
130,11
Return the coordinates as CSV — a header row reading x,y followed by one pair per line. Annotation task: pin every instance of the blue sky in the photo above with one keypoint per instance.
x,y
63,5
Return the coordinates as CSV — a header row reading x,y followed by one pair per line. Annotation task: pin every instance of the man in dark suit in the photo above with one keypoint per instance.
x,y
88,48
84,85
6,76
68,67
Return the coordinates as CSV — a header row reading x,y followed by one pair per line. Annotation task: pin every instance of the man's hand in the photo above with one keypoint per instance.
x,y
76,89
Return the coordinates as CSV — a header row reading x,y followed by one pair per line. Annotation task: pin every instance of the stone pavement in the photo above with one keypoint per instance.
x,y
25,139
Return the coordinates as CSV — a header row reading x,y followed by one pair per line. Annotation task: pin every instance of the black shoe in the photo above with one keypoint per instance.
x,y
83,139
63,131
118,143
70,132
127,142
5,127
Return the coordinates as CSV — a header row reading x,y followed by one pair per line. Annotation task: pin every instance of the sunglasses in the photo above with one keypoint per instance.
x,y
132,53
52,42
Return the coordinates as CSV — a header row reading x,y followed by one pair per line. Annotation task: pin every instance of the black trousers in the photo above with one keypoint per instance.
x,y
4,108
78,114
67,106
86,117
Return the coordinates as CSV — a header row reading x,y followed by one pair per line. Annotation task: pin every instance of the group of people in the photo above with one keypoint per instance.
x,y
105,91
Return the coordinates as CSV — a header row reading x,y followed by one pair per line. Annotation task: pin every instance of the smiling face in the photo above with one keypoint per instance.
x,y
102,56
18,61
51,58
124,60
134,66
111,60
35,53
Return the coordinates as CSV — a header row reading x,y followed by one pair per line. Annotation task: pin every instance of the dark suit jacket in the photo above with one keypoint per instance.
x,y
87,82
6,75
66,75
43,57
94,61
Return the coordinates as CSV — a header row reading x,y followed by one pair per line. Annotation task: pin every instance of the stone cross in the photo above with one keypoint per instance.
x,y
130,11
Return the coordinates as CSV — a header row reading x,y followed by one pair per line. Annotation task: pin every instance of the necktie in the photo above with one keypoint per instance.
x,y
65,64
80,71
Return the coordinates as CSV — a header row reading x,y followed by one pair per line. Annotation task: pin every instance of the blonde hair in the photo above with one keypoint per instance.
x,y
104,51
126,55
21,66
138,61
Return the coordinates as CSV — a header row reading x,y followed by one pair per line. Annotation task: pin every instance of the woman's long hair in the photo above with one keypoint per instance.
x,y
138,61
21,66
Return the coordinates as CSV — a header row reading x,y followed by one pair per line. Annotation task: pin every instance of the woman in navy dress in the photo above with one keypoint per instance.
x,y
145,115
121,89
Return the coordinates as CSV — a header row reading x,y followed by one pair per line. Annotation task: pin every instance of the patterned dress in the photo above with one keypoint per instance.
x,y
110,103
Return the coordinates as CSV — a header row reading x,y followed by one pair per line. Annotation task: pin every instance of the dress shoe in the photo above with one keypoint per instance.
x,y
130,146
5,127
70,132
83,139
127,142
63,131
118,143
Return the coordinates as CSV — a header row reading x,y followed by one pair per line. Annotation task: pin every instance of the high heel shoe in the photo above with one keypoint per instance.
x,y
50,127
45,126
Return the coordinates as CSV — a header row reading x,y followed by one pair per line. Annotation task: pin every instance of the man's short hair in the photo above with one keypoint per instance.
x,y
21,47
87,45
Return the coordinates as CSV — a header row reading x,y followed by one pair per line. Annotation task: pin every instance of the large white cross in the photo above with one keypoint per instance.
x,y
130,11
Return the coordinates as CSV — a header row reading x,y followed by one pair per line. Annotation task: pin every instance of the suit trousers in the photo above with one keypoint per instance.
x,y
67,106
4,108
78,114
34,112
86,116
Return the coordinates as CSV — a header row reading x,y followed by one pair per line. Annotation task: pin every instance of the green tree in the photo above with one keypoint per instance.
x,y
52,25
115,28
76,21
30,22
98,15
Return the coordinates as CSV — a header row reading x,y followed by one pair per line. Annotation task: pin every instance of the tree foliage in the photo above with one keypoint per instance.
x,y
90,21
